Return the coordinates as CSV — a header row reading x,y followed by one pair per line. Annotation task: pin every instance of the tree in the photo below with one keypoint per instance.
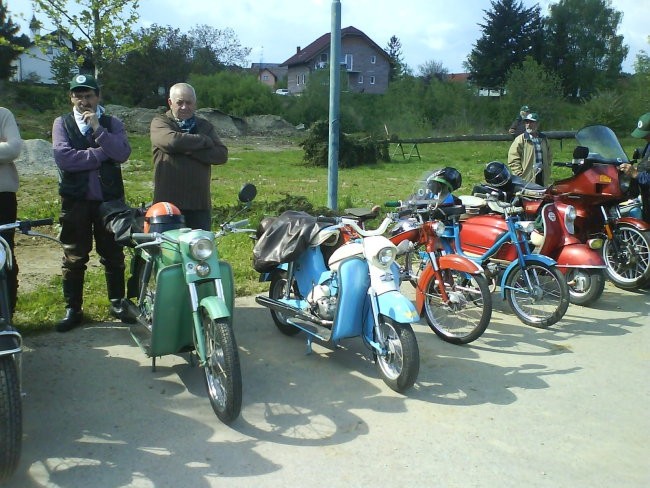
x,y
431,70
212,49
583,46
96,33
11,44
397,66
510,33
143,77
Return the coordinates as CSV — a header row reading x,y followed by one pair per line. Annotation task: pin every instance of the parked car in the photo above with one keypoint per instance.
x,y
282,91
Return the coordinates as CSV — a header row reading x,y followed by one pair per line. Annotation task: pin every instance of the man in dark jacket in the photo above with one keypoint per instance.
x,y
89,147
184,148
641,172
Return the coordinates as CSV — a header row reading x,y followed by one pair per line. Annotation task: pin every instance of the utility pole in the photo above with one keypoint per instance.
x,y
334,122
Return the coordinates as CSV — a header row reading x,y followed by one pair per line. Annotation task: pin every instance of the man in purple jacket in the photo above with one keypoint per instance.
x,y
89,147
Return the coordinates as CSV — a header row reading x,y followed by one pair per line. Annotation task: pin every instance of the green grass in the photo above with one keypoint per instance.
x,y
283,181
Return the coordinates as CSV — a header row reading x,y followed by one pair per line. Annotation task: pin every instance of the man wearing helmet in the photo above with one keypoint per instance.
x,y
89,147
184,148
642,171
530,153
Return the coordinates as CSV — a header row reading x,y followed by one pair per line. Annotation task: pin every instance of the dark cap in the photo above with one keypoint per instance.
x,y
83,81
533,117
642,126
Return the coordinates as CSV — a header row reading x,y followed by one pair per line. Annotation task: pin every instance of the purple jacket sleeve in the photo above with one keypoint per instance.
x,y
111,145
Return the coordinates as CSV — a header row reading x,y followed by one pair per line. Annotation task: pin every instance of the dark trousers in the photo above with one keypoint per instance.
x,y
8,215
197,219
81,222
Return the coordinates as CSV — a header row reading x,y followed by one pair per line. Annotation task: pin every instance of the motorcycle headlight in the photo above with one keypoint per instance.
x,y
569,218
385,256
201,248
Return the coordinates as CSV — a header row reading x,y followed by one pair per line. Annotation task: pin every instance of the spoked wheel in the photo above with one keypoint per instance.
x,y
413,263
11,418
466,314
222,369
146,304
277,290
585,285
537,294
628,259
400,366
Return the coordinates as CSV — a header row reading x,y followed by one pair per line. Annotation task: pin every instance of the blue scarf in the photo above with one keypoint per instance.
x,y
188,125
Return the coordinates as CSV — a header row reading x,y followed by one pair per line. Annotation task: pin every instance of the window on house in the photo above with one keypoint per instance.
x,y
372,80
323,57
348,60
265,77
373,59
360,79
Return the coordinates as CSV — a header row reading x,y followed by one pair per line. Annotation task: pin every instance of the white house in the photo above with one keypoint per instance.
x,y
33,64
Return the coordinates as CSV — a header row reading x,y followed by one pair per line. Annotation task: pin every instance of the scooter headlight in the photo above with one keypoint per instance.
x,y
385,256
201,248
570,218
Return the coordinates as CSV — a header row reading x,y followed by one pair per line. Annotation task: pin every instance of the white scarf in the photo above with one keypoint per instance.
x,y
78,118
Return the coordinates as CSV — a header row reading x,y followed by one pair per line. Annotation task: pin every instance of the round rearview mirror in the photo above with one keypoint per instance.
x,y
247,193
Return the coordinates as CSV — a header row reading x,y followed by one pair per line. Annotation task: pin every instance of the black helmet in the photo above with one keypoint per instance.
x,y
447,176
496,174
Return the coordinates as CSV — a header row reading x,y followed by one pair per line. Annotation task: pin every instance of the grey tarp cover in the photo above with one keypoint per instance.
x,y
285,238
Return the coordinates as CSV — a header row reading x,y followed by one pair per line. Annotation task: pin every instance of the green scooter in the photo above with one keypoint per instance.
x,y
184,298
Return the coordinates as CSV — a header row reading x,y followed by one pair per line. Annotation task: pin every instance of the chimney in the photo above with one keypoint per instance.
x,y
297,49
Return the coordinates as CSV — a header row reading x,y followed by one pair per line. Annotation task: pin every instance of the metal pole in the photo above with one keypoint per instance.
x,y
334,122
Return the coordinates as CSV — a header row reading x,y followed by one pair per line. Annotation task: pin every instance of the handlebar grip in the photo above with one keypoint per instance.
x,y
327,220
563,164
393,204
239,223
404,213
39,222
142,236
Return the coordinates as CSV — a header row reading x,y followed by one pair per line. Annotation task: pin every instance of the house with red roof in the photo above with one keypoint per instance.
x,y
365,64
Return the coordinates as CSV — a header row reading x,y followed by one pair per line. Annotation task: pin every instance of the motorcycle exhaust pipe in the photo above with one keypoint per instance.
x,y
289,311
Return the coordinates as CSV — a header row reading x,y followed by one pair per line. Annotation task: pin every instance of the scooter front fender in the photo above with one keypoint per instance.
x,y
397,307
529,259
446,261
579,256
216,308
638,224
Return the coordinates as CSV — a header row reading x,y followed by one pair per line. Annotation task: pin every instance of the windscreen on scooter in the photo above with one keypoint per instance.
x,y
435,187
603,145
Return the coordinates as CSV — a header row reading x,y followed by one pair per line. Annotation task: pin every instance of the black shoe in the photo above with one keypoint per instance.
x,y
72,319
120,310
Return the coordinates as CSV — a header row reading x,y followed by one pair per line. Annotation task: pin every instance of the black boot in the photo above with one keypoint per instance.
x,y
73,284
72,319
115,287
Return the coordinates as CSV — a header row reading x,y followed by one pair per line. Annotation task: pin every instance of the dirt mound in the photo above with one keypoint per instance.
x,y
36,158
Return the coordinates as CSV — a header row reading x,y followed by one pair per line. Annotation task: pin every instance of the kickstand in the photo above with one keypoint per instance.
x,y
153,364
309,350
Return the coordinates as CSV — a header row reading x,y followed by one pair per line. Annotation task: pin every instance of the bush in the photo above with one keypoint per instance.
x,y
353,150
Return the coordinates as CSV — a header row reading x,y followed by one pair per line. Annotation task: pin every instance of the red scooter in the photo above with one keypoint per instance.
x,y
554,236
596,190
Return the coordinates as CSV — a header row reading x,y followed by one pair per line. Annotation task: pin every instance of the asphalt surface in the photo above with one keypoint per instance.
x,y
520,407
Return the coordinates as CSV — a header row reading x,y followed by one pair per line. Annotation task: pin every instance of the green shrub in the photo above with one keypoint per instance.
x,y
354,150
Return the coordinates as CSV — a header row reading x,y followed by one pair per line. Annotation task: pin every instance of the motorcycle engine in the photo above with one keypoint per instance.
x,y
322,301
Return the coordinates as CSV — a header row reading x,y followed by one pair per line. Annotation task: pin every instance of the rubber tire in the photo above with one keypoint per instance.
x,y
11,418
639,250
437,314
222,368
413,261
401,370
596,285
561,289
276,291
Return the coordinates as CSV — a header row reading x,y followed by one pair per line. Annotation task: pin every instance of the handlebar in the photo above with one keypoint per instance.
x,y
365,232
25,226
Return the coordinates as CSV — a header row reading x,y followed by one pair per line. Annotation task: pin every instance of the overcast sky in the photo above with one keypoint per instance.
x,y
438,30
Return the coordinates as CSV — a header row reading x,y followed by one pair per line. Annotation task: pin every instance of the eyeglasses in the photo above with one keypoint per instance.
x,y
86,97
